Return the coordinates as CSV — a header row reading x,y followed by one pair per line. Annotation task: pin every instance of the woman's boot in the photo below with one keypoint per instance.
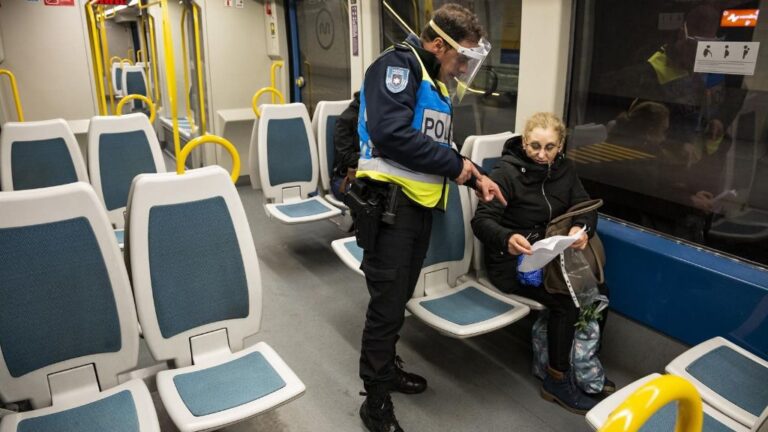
x,y
558,387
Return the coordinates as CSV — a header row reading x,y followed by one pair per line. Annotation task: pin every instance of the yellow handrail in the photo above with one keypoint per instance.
x,y
643,404
273,75
15,90
105,48
170,77
112,60
129,61
146,100
153,54
145,44
216,140
255,99
146,6
199,70
185,58
96,51
140,55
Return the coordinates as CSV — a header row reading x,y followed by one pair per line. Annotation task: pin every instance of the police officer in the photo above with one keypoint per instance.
x,y
405,129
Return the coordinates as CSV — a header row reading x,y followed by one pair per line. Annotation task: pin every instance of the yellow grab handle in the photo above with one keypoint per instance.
x,y
273,75
146,100
15,90
643,404
210,139
255,99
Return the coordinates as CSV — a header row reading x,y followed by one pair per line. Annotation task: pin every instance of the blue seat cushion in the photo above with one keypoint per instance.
x,y
490,163
446,242
354,249
196,266
738,379
122,156
228,385
306,208
57,300
41,163
468,306
664,421
116,413
120,236
288,152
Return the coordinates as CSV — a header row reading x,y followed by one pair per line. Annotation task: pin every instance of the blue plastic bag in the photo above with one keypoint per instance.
x,y
532,278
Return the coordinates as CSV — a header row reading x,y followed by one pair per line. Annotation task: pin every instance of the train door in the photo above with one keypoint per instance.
x,y
320,58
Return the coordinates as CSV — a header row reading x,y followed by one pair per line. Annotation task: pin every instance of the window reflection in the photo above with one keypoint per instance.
x,y
490,108
667,145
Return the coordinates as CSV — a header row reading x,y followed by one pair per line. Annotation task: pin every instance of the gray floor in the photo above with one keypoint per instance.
x,y
313,316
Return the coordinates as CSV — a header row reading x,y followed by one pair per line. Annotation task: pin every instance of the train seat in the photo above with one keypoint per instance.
x,y
324,125
349,252
729,378
485,150
197,286
120,148
39,154
67,318
117,79
288,165
440,299
664,419
134,81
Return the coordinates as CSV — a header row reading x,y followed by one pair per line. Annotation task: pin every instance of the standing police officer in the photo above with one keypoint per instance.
x,y
406,157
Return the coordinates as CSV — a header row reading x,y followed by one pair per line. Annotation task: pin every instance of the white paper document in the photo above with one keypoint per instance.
x,y
546,250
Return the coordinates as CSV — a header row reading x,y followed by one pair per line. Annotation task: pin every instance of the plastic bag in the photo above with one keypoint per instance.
x,y
586,369
580,278
533,278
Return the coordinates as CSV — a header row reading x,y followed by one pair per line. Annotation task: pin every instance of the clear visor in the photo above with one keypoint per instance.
x,y
467,65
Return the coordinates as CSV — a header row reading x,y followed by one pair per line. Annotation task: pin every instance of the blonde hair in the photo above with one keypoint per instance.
x,y
545,120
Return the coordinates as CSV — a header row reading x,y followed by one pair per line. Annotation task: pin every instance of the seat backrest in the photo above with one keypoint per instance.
x,y
450,244
193,263
325,117
287,154
119,149
66,300
469,144
134,81
117,77
587,134
486,152
761,425
39,154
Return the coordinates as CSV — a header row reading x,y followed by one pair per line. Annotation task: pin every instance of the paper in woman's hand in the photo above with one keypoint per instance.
x,y
546,250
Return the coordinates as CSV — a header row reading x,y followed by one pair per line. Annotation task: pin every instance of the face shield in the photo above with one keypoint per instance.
x,y
467,64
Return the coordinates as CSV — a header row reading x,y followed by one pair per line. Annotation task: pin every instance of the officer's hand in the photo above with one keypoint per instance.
x,y
518,244
486,190
467,171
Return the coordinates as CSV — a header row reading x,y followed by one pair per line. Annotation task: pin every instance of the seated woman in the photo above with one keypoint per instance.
x,y
539,184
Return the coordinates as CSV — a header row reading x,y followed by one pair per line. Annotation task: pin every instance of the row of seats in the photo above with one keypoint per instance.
x,y
45,153
128,80
733,384
68,318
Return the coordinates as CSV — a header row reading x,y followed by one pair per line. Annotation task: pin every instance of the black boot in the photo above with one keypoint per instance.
x,y
378,414
558,387
406,382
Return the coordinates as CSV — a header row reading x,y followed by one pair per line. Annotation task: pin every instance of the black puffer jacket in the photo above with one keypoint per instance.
x,y
535,195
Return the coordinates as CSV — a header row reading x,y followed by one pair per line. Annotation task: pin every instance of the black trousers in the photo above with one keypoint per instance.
x,y
391,271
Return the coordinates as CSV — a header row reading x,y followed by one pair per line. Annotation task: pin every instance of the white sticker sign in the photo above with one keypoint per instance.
x,y
733,58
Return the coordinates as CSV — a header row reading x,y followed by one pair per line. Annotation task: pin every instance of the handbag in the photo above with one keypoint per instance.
x,y
556,279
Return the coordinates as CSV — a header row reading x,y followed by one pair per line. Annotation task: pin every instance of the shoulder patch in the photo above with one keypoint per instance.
x,y
397,78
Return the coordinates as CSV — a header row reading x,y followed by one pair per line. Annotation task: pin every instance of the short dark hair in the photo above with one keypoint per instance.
x,y
457,22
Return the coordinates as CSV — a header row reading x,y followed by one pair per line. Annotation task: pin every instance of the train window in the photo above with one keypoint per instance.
x,y
323,29
667,118
490,106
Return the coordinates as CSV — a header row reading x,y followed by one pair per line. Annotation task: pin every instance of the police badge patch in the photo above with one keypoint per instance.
x,y
397,78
